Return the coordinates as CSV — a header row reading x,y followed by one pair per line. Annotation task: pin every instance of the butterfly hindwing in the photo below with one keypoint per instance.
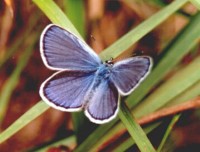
x,y
127,74
62,50
103,104
65,90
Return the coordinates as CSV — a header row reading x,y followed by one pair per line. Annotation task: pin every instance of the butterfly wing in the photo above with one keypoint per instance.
x,y
65,90
103,104
129,73
62,50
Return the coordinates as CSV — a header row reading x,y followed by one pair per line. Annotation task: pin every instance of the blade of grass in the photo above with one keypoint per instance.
x,y
169,129
135,130
33,113
129,142
13,80
76,13
55,14
169,146
196,3
190,93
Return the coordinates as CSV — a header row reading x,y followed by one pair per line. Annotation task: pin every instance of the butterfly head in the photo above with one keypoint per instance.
x,y
109,62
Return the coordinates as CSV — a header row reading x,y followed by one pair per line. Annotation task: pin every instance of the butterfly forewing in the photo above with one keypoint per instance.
x,y
66,90
129,73
62,50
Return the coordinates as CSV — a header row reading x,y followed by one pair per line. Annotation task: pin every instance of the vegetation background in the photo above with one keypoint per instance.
x,y
166,104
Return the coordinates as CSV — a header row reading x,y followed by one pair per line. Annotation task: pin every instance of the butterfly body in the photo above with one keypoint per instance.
x,y
101,77
104,70
82,80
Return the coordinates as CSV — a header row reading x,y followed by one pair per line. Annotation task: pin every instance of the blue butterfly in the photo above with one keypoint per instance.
x,y
83,81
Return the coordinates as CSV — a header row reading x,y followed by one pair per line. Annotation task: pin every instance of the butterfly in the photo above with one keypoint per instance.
x,y
82,80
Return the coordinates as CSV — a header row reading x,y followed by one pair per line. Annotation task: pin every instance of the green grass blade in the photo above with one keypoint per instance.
x,y
188,94
75,11
12,81
135,130
196,3
55,14
169,129
30,115
137,33
130,142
